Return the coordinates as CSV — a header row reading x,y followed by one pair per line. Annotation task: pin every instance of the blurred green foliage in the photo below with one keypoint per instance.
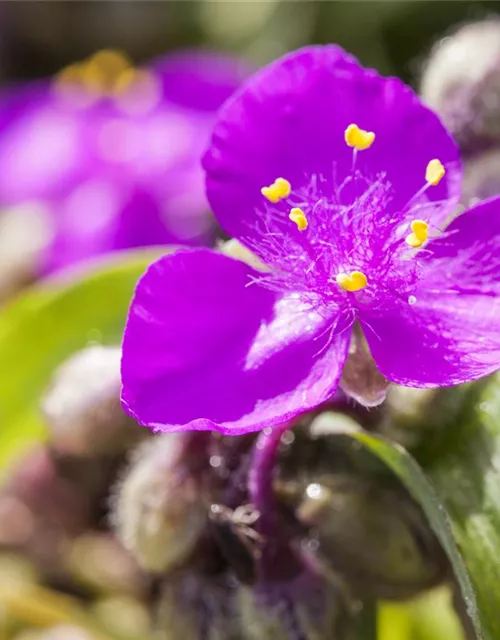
x,y
392,35
47,324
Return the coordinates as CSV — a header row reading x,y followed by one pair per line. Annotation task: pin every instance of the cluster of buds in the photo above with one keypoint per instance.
x,y
347,532
461,82
184,522
55,500
182,510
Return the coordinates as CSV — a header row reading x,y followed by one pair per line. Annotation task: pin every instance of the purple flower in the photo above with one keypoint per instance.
x,y
114,152
359,181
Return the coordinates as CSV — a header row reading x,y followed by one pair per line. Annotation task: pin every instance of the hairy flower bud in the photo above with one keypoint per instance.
x,y
41,509
59,632
216,607
421,418
354,522
99,563
123,617
373,536
82,407
160,511
482,176
461,81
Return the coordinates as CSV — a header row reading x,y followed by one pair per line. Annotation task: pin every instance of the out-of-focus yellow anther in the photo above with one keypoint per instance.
x,y
299,217
358,138
420,233
354,281
97,75
434,172
72,74
277,191
110,62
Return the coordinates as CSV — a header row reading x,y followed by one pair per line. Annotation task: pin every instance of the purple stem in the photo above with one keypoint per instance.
x,y
261,475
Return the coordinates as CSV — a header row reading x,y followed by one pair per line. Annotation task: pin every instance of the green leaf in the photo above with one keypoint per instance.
x,y
428,617
398,460
467,478
48,323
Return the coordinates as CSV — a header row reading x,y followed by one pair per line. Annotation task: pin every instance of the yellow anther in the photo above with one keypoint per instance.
x,y
70,75
434,172
358,138
299,217
110,62
354,281
96,76
420,233
277,191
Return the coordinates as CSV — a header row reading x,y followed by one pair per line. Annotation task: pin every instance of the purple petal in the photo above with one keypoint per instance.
x,y
199,80
451,334
42,145
205,349
289,120
103,215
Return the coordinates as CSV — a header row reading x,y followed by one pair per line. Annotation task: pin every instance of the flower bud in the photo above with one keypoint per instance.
x,y
82,407
216,607
461,81
482,176
59,632
41,510
361,380
197,606
421,418
307,607
123,617
37,482
160,510
373,536
99,563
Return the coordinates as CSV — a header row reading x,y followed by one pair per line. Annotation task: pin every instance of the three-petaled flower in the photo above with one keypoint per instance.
x,y
343,184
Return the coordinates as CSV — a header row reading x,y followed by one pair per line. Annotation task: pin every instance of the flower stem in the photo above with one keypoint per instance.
x,y
260,479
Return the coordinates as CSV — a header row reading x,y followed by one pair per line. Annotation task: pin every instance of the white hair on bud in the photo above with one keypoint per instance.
x,y
158,509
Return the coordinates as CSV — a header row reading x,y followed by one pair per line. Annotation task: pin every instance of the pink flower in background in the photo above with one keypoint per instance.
x,y
113,152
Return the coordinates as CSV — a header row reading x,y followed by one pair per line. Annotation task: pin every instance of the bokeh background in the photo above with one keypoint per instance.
x,y
39,38
54,530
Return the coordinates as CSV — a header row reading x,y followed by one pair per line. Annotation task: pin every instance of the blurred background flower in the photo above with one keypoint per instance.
x,y
109,154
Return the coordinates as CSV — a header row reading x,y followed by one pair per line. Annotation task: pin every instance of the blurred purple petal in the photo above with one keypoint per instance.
x,y
117,170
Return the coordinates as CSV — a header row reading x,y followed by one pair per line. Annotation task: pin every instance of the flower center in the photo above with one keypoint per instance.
x,y
108,74
344,245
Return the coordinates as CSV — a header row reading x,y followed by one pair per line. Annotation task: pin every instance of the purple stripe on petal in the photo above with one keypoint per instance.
x,y
205,348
